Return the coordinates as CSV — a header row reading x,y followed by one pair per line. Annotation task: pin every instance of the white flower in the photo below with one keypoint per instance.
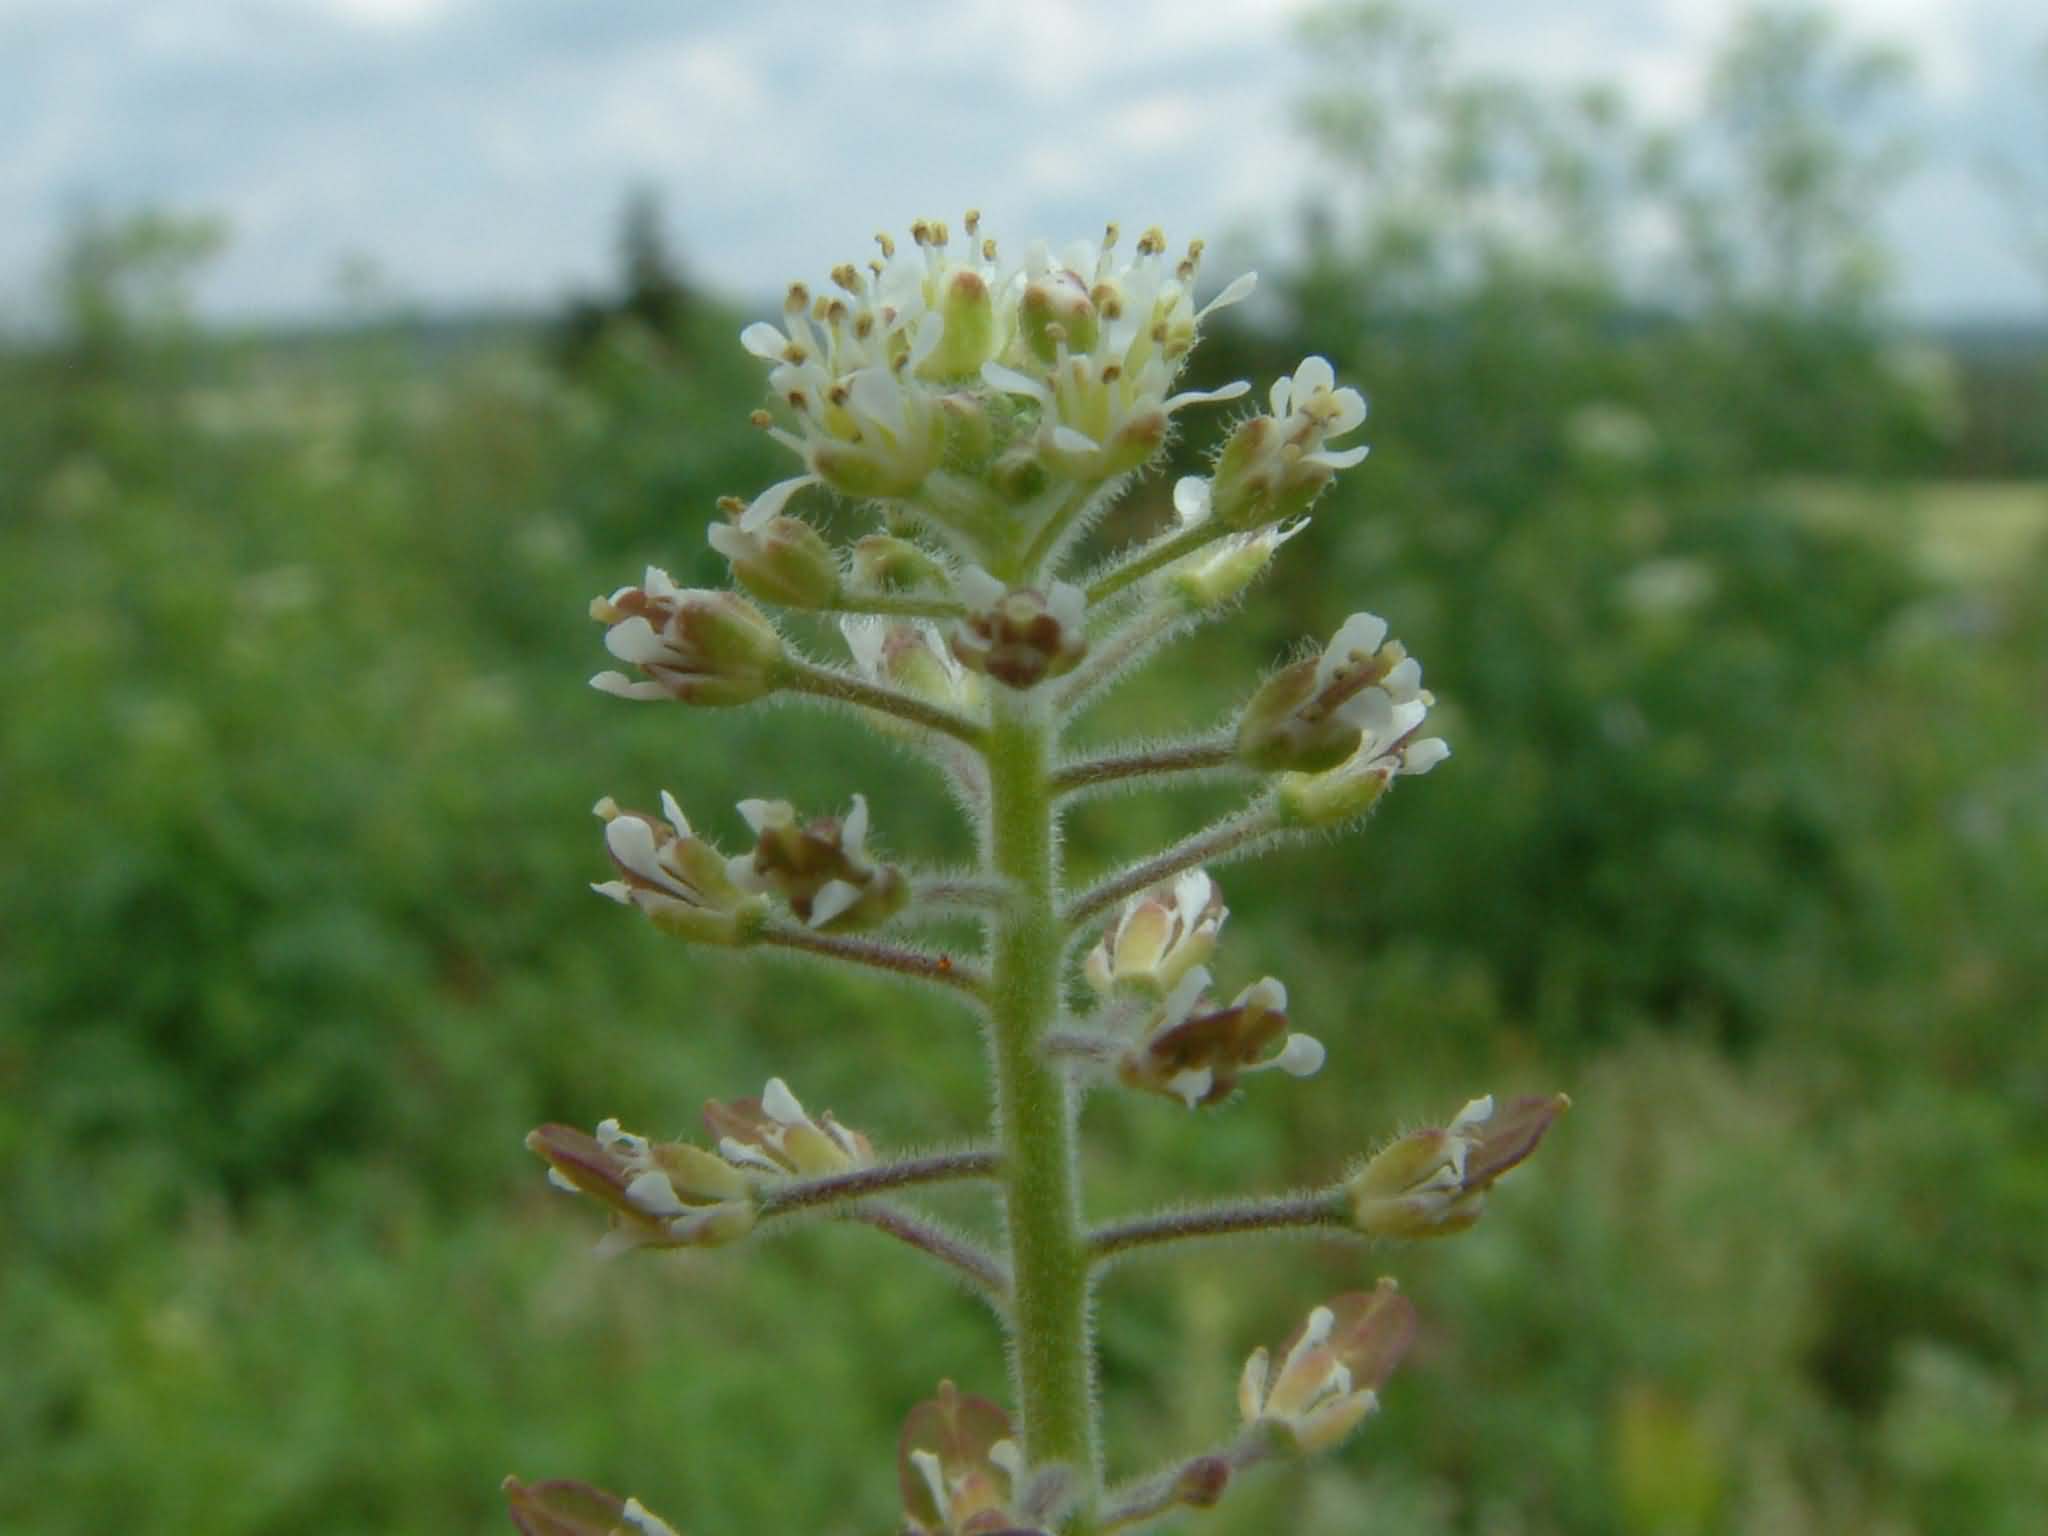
x,y
1331,1370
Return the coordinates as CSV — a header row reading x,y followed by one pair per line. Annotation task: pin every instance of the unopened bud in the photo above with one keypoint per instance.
x,y
785,561
1433,1182
970,435
912,657
1018,635
1216,576
882,562
1159,935
701,647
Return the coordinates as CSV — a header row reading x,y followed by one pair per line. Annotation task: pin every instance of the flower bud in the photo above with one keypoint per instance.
x,y
1161,934
970,435
958,1465
661,1194
1196,1053
912,657
1433,1182
1018,635
701,647
677,879
1216,576
821,868
559,1507
1331,1369
773,1135
883,562
783,561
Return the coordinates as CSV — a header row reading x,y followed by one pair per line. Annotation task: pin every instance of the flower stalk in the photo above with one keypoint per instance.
x,y
990,412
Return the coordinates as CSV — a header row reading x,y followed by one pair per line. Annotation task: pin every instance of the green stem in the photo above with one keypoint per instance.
x,y
1325,1208
1034,1105
1163,553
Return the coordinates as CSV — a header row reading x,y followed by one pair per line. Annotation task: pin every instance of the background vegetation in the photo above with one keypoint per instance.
x,y
1731,590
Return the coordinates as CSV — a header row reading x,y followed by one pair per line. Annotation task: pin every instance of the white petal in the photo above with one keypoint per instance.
x,y
1236,292
755,813
1406,718
1361,634
1421,756
1207,396
729,541
1268,992
877,394
853,829
1476,1112
834,898
1314,373
656,582
1191,500
1191,1086
652,1193
977,588
1011,382
930,331
865,635
1302,1056
674,813
1251,1384
631,842
780,1105
1067,603
1337,458
1278,396
1182,1000
633,639
1404,679
1350,411
771,502
1067,440
765,341
621,686
616,890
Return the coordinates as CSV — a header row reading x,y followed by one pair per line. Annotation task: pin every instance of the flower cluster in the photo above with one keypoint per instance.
x,y
982,415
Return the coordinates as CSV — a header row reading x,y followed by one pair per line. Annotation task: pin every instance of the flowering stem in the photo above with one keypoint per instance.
x,y
1163,553
894,958
1227,837
1183,757
831,683
1327,1208
1052,1353
973,1261
940,1168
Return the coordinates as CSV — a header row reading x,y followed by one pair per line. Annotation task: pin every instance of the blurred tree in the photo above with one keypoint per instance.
x,y
652,295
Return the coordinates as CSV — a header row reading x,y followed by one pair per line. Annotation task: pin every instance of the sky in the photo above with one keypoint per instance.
x,y
477,152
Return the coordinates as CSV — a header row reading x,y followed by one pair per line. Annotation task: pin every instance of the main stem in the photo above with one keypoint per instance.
x,y
1034,1106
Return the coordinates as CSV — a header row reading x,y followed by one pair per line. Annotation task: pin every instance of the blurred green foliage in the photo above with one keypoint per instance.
x,y
1746,845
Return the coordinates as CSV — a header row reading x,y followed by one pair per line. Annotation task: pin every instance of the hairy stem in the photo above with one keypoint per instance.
x,y
1327,1208
1052,1353
973,1261
897,605
832,683
1181,757
861,1183
1230,836
873,953
1162,553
